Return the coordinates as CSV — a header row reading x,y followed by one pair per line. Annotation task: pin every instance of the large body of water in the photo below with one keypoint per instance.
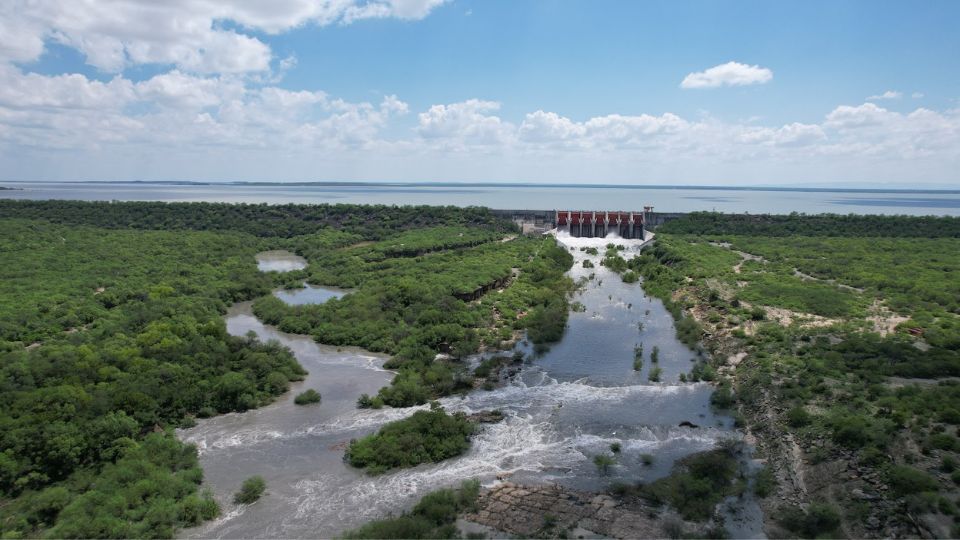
x,y
564,407
542,197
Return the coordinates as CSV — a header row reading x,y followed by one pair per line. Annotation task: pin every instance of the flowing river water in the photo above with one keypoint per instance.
x,y
564,407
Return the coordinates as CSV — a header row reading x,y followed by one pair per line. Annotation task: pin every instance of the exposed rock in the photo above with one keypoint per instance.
x,y
552,511
486,417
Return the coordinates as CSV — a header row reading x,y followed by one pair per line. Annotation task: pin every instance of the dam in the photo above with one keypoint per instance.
x,y
589,223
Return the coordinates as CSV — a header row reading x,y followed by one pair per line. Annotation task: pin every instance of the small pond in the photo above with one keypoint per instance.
x,y
309,294
280,261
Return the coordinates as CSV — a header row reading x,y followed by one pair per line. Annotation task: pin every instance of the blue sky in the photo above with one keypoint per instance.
x,y
826,93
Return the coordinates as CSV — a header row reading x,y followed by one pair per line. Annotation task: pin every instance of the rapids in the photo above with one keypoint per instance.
x,y
566,405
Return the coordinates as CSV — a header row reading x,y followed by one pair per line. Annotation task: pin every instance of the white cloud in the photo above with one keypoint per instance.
x,y
466,122
198,126
916,95
847,116
729,74
186,33
889,94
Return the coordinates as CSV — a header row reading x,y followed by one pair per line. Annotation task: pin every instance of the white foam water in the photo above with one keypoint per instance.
x,y
578,400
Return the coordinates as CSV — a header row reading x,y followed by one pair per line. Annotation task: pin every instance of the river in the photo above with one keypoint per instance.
x,y
565,406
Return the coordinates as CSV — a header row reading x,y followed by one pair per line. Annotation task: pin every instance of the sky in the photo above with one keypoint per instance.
x,y
799,93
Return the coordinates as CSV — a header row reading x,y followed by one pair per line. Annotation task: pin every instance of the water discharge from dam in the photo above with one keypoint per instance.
x,y
564,407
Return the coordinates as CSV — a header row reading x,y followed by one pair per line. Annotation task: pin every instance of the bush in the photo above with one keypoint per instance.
x,y
722,397
615,447
818,519
250,491
906,480
798,417
696,484
764,483
603,463
426,436
307,397
654,374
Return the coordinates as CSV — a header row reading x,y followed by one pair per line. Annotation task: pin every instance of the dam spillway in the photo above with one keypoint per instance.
x,y
598,224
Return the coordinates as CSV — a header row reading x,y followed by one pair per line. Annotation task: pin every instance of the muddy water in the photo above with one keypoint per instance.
x,y
566,406
279,261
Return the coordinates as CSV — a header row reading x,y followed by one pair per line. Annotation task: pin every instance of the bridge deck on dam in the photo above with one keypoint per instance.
x,y
589,223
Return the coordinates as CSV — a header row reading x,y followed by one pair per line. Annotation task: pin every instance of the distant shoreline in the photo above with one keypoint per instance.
x,y
336,184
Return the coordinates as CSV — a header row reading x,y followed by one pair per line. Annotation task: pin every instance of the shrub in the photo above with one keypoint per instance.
x,y
764,482
307,397
798,417
615,447
250,491
654,374
818,519
603,463
722,397
696,484
906,480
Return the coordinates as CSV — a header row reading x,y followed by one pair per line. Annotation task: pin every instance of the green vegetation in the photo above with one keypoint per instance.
x,y
615,447
106,336
251,490
111,334
603,463
697,483
434,516
307,397
654,374
802,316
424,437
764,483
794,225
368,222
818,520
418,307
638,357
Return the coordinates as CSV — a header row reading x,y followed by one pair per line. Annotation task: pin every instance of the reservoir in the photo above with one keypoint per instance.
x,y
520,196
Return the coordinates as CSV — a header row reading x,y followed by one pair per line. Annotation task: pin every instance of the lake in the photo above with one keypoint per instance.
x,y
517,196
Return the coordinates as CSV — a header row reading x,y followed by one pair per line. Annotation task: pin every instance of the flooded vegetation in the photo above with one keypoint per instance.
x,y
566,406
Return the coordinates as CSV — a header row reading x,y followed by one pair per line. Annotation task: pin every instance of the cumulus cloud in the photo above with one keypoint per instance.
x,y
185,33
467,122
889,94
729,74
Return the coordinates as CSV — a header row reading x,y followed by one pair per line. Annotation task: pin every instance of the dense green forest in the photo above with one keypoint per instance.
x,y
851,350
263,220
111,334
107,336
850,225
